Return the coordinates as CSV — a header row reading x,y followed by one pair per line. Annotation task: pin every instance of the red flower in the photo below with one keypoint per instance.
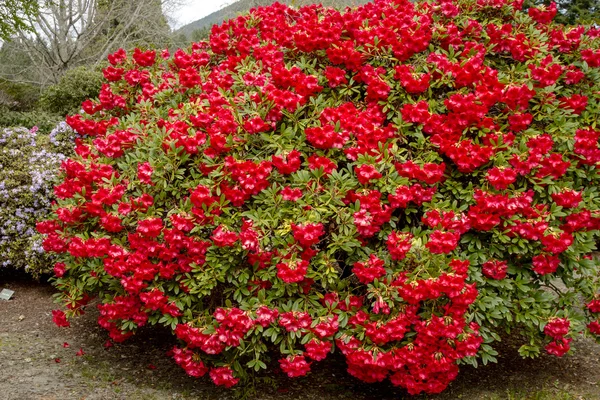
x,y
118,57
295,321
188,77
567,198
327,328
294,366
545,264
60,319
182,222
221,237
459,266
366,173
557,328
223,376
335,76
317,350
111,223
557,243
202,195
292,271
145,173
554,166
326,137
266,316
576,103
519,122
574,75
316,162
290,165
369,271
59,269
543,14
144,58
402,196
308,234
185,358
399,244
594,327
291,194
559,347
154,299
500,178
256,125
411,82
495,269
430,173
151,227
594,306
442,242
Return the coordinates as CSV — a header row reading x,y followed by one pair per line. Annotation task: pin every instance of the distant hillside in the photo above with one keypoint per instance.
x,y
243,6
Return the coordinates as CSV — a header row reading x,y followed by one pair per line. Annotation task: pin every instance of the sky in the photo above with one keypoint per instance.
x,y
192,10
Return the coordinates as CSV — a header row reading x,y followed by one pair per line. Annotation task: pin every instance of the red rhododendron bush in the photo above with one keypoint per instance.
x,y
400,183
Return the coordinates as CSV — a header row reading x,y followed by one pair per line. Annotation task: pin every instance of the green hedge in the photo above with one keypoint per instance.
x,y
45,121
74,87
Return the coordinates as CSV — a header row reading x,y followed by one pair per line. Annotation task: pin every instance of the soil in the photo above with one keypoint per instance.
x,y
36,364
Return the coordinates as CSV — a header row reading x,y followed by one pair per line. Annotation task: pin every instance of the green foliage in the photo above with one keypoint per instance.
x,y
44,121
573,12
13,14
73,88
18,96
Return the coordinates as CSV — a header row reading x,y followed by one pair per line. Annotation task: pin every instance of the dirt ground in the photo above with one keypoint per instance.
x,y
36,365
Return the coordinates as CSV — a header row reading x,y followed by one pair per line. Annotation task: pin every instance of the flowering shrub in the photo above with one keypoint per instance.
x,y
399,183
29,162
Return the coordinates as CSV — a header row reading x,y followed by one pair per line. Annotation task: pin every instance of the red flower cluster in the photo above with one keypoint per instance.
x,y
557,329
399,245
60,319
292,271
495,269
223,376
368,271
428,363
294,366
307,235
545,264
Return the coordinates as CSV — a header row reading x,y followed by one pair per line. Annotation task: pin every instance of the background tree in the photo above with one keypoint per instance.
x,y
572,12
69,33
13,16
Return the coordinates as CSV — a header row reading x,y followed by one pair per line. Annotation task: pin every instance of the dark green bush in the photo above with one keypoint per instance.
x,y
73,88
18,96
45,121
